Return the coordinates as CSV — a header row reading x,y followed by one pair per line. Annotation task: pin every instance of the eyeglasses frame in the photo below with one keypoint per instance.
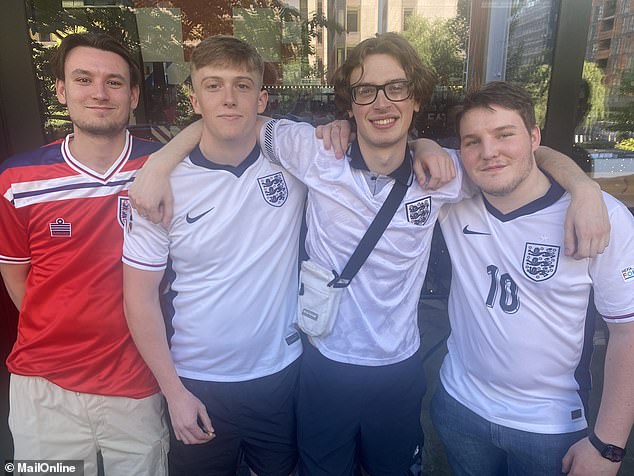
x,y
382,88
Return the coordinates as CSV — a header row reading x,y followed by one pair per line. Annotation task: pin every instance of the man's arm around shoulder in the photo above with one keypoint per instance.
x,y
587,225
151,193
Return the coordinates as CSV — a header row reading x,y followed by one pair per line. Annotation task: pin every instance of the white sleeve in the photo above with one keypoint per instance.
x,y
294,146
460,187
467,188
145,244
613,271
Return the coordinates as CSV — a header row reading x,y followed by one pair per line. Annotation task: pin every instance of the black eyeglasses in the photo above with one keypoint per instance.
x,y
395,91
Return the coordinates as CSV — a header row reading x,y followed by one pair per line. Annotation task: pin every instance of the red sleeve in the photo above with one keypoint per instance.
x,y
14,245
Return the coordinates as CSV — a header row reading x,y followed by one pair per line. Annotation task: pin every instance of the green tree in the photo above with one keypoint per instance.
x,y
536,80
623,117
459,25
626,144
198,19
46,16
440,45
594,77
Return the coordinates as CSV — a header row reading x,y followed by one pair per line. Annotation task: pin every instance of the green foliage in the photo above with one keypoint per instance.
x,y
51,109
594,76
596,144
47,17
627,144
198,19
440,45
184,108
311,29
459,25
627,82
120,22
536,80
623,117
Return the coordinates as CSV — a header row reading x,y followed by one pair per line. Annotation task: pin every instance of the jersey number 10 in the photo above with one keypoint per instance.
x,y
509,298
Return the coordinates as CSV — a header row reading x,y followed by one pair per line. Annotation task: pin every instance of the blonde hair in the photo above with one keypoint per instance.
x,y
224,50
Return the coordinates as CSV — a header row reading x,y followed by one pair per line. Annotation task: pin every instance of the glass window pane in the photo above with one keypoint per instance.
x,y
302,41
605,132
531,39
352,21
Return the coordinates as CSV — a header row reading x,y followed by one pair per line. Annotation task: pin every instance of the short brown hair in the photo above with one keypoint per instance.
x,y
400,49
100,41
224,50
500,93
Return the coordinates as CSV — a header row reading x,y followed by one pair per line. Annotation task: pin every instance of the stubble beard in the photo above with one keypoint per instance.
x,y
507,189
101,129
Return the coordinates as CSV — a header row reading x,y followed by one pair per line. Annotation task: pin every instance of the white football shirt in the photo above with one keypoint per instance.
x,y
232,248
377,319
517,308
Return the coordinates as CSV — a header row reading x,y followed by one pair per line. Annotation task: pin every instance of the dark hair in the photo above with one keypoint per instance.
x,y
224,50
400,49
500,93
100,41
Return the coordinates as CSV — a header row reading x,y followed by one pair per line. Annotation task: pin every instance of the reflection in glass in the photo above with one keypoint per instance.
x,y
303,42
608,136
530,49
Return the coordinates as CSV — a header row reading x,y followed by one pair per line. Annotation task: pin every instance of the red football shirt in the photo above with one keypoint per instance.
x,y
67,222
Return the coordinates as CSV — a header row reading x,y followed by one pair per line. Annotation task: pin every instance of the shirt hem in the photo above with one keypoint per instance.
x,y
206,377
582,424
70,388
344,359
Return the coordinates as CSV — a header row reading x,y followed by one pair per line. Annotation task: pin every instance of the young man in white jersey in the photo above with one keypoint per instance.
x,y
367,385
512,394
230,253
362,385
78,384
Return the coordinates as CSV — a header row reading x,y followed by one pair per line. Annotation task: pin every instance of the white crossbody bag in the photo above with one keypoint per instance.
x,y
320,290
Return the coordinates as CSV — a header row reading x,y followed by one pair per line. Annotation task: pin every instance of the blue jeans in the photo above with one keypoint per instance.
x,y
477,447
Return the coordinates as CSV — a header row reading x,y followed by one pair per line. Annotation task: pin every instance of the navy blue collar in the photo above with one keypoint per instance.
x,y
553,194
197,158
403,174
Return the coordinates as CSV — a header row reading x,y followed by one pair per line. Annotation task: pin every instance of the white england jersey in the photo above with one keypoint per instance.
x,y
518,309
233,252
377,319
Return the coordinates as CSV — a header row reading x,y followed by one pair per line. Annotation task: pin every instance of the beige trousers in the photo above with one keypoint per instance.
x,y
50,423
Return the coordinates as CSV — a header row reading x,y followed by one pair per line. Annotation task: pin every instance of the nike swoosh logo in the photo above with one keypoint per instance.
x,y
197,217
467,231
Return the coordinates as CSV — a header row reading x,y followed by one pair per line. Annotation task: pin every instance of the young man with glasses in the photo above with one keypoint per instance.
x,y
362,384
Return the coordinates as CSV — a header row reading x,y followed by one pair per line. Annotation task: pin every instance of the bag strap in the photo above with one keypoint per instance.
x,y
371,237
